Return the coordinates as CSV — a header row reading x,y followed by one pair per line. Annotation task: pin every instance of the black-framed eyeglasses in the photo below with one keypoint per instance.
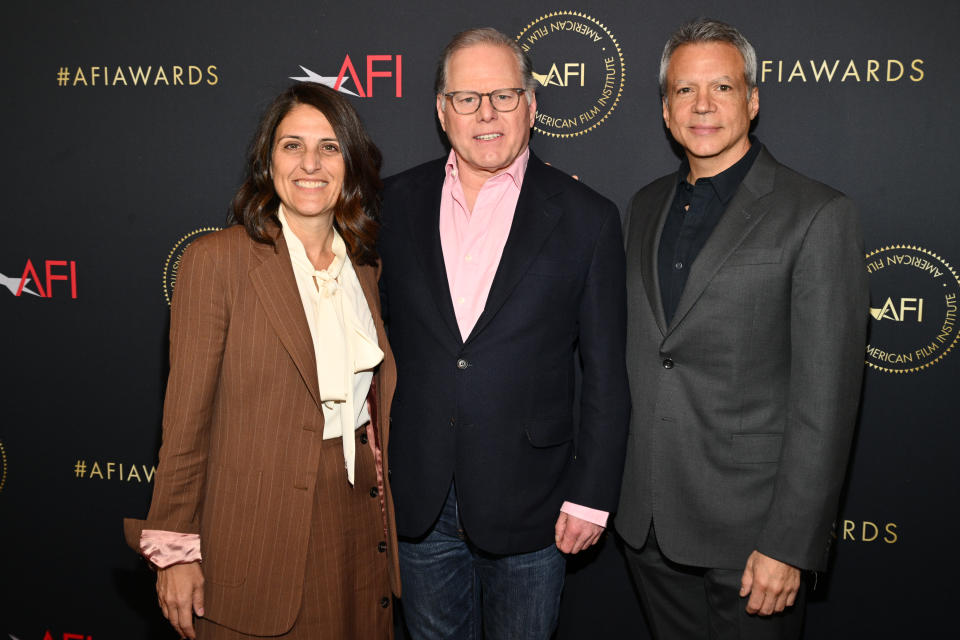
x,y
467,102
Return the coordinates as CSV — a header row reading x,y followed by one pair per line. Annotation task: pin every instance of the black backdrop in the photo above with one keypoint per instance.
x,y
125,125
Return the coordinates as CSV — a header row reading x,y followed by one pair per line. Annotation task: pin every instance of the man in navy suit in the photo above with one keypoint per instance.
x,y
497,270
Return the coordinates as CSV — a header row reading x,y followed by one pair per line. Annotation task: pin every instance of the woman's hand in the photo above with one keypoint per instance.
x,y
180,592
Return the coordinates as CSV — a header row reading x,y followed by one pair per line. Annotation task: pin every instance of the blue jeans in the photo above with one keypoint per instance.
x,y
453,590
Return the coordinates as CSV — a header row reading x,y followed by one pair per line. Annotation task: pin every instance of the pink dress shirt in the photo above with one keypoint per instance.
x,y
472,243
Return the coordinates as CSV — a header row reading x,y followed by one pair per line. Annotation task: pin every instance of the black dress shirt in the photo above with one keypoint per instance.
x,y
695,211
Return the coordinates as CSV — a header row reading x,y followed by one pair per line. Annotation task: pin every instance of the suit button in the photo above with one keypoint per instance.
x,y
363,438
462,364
667,363
384,602
374,492
381,546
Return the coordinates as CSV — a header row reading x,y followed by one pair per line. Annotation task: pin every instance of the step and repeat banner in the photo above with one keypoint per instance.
x,y
125,126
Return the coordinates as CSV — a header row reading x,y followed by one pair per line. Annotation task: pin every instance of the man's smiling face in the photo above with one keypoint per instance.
x,y
707,105
487,141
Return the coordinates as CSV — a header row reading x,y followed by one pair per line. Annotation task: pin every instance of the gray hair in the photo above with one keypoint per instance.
x,y
488,36
707,30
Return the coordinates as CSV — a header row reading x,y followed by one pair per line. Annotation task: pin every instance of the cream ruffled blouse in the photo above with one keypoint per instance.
x,y
344,339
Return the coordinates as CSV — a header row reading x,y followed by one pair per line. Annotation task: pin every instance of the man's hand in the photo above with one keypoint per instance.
x,y
573,175
772,585
573,535
180,592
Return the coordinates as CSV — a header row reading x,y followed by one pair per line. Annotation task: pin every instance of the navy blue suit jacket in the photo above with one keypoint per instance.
x,y
496,411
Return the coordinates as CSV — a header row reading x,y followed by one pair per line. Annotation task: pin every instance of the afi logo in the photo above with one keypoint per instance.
x,y
54,270
562,79
377,66
890,311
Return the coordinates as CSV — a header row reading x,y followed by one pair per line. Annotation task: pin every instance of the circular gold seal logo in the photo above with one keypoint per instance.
x,y
579,67
172,266
3,466
913,308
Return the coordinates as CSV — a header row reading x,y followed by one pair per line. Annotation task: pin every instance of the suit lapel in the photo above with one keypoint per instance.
x,y
533,220
745,210
650,232
368,283
367,276
276,287
424,212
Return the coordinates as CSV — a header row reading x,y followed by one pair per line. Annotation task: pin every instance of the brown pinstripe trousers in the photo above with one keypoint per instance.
x,y
345,541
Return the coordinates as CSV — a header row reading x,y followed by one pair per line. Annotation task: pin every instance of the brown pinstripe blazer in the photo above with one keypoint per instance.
x,y
242,427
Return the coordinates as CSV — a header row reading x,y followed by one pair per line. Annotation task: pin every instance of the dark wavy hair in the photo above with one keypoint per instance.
x,y
356,214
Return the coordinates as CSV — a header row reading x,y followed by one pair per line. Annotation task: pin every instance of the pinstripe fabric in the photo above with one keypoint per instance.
x,y
339,545
242,431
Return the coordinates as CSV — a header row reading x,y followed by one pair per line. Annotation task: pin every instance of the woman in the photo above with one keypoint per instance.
x,y
275,338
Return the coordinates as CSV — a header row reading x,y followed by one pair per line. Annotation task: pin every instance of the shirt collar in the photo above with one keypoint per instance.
x,y
516,170
726,183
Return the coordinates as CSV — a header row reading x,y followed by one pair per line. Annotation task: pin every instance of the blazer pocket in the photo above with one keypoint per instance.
x,y
549,433
227,535
754,256
757,448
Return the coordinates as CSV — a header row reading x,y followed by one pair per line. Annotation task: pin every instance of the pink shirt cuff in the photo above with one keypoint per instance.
x,y
594,516
166,548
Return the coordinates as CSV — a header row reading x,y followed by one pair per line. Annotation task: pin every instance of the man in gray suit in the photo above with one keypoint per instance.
x,y
747,317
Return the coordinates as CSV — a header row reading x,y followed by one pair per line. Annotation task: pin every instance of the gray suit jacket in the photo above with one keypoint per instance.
x,y
744,406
